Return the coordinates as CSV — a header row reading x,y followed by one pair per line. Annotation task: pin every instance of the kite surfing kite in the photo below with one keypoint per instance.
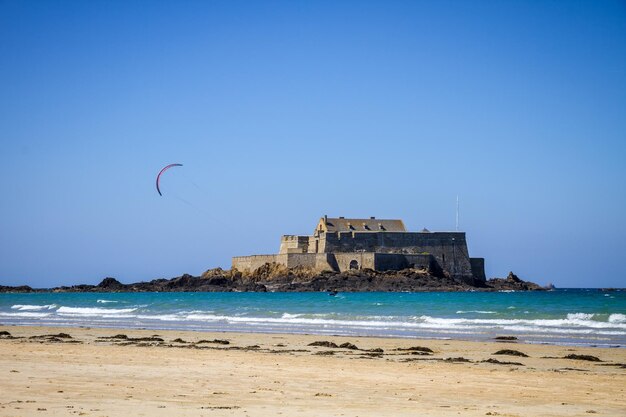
x,y
161,172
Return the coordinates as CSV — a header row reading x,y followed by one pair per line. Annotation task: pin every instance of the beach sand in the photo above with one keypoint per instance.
x,y
279,374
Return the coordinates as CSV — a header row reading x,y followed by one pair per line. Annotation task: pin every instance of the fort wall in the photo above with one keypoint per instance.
x,y
354,260
392,262
250,263
316,261
478,268
391,248
448,248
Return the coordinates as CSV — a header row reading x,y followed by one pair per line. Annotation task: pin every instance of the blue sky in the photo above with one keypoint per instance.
x,y
282,112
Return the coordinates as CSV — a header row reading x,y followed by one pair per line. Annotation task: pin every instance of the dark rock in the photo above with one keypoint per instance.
x,y
217,281
120,337
505,338
179,340
459,359
512,282
4,333
111,284
619,365
512,277
376,350
216,341
511,352
582,358
324,344
348,345
497,362
117,336
416,349
275,277
21,288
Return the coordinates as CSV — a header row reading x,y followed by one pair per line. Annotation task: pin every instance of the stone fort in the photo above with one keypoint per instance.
x,y
341,244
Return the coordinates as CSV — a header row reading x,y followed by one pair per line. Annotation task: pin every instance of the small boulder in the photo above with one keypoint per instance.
x,y
583,358
505,338
348,345
511,352
324,343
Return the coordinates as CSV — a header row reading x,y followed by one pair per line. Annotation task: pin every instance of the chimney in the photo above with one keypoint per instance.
x,y
372,218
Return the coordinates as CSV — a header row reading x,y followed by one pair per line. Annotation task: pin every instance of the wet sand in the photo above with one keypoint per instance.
x,y
48,371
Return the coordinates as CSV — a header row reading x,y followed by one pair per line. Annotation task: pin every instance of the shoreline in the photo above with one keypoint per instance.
x,y
113,371
504,338
576,318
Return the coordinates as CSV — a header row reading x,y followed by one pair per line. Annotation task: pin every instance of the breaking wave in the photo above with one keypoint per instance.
x,y
617,318
25,314
93,311
476,311
26,307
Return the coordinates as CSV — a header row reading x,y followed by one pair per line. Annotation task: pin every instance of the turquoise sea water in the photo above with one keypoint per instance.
x,y
570,316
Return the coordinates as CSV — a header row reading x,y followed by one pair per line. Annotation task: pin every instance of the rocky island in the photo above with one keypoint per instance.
x,y
277,278
342,254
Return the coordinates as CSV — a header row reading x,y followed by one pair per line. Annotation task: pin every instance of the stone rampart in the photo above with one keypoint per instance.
x,y
448,248
394,262
354,260
478,269
250,263
442,252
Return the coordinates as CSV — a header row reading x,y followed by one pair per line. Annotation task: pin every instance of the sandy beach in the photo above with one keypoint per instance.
x,y
116,372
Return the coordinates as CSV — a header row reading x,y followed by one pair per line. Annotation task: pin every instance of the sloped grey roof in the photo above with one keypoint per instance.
x,y
335,224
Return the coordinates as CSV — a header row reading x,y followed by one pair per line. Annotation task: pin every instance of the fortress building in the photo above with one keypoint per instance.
x,y
340,244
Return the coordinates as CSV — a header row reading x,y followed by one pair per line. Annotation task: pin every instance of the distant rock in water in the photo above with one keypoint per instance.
x,y
111,284
273,277
513,283
21,288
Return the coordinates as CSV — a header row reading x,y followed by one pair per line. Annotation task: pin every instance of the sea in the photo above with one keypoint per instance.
x,y
581,317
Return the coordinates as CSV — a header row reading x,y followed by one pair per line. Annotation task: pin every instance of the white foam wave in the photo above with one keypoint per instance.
x,y
476,311
107,301
26,307
579,316
93,311
427,322
290,316
25,314
617,318
162,317
571,321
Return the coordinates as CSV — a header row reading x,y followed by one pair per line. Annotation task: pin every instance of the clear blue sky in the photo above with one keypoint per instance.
x,y
282,112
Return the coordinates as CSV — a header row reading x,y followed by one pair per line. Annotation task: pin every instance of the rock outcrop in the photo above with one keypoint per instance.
x,y
512,282
273,277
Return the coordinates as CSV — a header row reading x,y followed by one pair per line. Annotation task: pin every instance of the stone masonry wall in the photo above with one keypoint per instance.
x,y
391,261
250,263
361,260
448,248
442,251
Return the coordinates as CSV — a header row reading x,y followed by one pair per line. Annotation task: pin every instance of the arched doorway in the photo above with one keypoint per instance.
x,y
354,264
